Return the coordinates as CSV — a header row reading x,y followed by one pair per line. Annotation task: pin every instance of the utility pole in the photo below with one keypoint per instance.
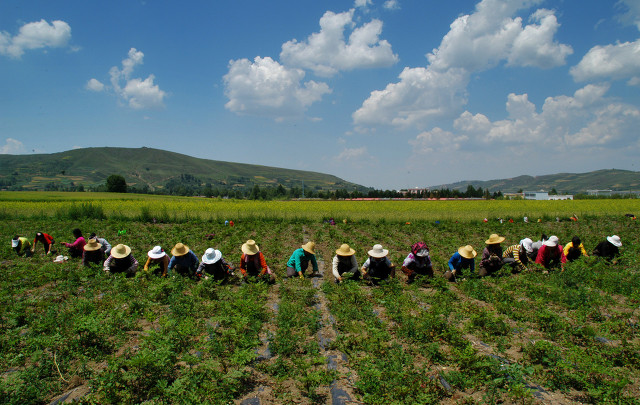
x,y
302,188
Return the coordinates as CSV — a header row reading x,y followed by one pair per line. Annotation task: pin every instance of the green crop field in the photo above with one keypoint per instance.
x,y
76,332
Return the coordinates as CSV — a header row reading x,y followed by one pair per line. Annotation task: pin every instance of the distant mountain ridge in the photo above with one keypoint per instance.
x,y
568,183
153,169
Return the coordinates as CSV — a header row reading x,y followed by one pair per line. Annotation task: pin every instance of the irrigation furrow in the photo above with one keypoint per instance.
x,y
336,360
263,351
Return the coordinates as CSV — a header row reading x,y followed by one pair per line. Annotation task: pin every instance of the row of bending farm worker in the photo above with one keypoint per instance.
x,y
547,252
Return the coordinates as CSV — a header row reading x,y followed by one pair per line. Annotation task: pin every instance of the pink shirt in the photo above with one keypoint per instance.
x,y
78,244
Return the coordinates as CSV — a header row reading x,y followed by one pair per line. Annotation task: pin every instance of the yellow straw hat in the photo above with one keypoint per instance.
x,y
92,245
494,239
345,250
250,247
120,251
180,249
308,247
467,252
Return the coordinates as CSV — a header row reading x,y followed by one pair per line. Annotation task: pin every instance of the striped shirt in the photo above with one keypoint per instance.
x,y
514,252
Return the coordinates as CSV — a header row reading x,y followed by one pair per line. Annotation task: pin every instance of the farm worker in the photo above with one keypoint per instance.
x,y
378,266
106,246
184,261
417,262
214,264
345,262
46,240
121,261
516,256
535,246
609,249
491,260
551,254
252,263
22,246
527,244
157,257
464,258
300,258
92,253
76,248
574,249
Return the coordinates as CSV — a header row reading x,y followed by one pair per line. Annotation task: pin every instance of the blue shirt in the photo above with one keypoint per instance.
x,y
190,261
458,262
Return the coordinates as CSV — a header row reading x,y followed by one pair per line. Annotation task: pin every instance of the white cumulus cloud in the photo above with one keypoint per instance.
x,y
420,95
632,12
349,154
392,5
94,85
362,3
264,87
327,52
619,61
12,147
436,140
588,118
35,35
475,42
137,93
534,45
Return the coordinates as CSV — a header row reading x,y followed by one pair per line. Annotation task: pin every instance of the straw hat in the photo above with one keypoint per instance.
x,y
345,250
250,247
527,244
308,247
378,251
92,245
615,240
180,249
494,239
120,251
552,241
211,256
467,252
156,253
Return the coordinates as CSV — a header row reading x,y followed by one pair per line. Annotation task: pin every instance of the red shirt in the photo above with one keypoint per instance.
x,y
546,254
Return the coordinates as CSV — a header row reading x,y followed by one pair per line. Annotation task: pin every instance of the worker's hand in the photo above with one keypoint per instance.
x,y
340,279
301,275
454,272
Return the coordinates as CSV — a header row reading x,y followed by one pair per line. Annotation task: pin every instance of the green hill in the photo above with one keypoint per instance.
x,y
569,183
152,169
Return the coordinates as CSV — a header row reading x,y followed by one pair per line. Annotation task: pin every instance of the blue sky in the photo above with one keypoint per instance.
x,y
388,94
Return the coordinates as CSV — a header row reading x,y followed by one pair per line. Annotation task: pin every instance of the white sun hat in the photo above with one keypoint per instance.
x,y
527,244
378,251
211,256
552,241
156,252
615,240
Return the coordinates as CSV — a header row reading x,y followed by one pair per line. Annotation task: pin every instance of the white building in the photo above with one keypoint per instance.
x,y
561,197
536,195
543,195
